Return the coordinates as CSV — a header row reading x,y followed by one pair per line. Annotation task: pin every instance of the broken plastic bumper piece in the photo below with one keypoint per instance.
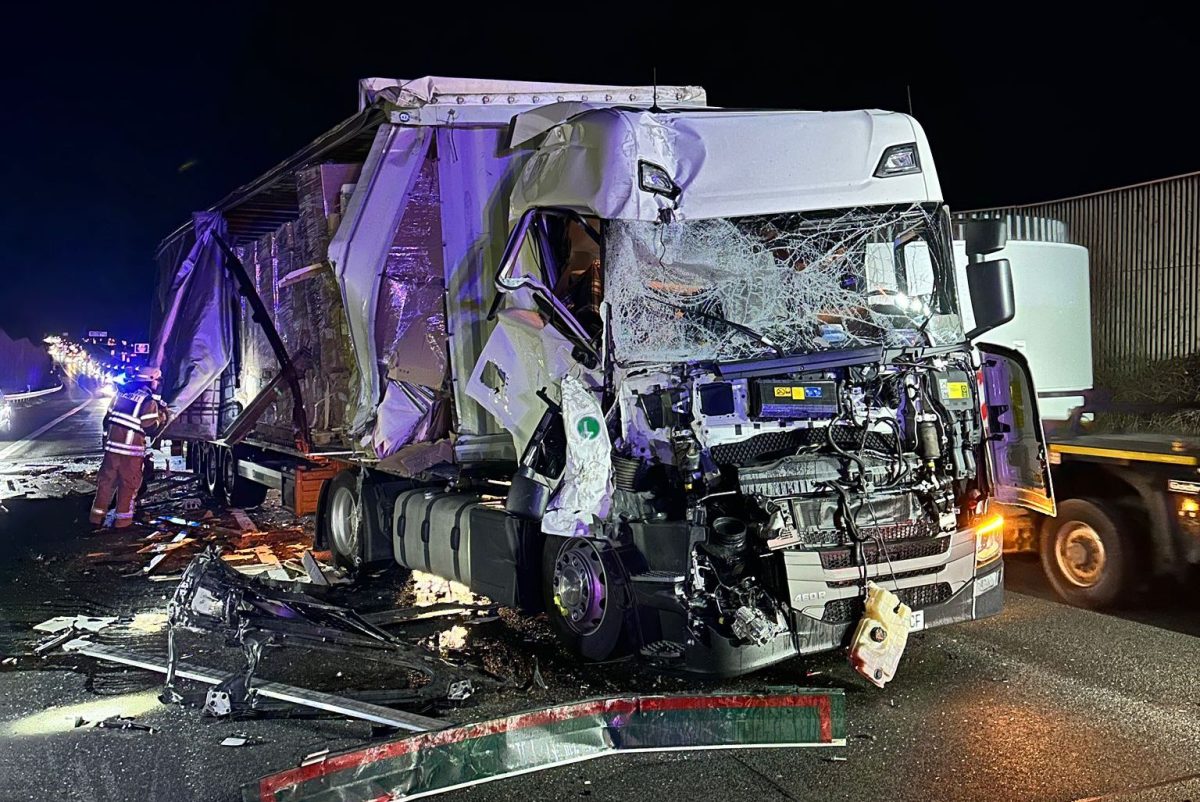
x,y
434,762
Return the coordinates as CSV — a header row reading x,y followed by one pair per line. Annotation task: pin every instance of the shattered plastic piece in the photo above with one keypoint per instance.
x,y
124,723
234,741
460,691
431,763
586,490
315,574
84,623
315,757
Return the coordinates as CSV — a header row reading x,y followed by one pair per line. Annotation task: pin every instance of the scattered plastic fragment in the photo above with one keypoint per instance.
x,y
433,762
85,623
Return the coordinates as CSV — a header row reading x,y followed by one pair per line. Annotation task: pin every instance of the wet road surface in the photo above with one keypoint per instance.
x,y
1043,702
73,417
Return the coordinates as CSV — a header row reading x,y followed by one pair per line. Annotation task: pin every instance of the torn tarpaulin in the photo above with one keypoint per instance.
x,y
434,762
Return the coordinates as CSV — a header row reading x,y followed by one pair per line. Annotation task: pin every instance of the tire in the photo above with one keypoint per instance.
x,y
341,519
240,491
1086,554
594,626
211,480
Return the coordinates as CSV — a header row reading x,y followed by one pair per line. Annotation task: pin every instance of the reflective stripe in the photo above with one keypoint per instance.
x,y
98,511
129,451
123,516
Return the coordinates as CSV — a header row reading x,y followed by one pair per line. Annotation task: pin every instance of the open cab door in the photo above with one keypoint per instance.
x,y
1016,444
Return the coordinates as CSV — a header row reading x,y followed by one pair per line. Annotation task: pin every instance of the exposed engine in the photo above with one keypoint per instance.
x,y
856,457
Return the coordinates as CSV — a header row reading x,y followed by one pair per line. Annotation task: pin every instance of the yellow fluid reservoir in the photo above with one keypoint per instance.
x,y
881,636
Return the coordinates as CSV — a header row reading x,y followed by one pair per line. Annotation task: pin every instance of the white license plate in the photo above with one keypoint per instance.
x,y
916,621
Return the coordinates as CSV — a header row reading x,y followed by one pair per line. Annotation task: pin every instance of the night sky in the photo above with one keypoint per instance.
x,y
117,124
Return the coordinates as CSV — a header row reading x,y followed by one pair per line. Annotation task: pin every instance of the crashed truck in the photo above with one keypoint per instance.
x,y
683,378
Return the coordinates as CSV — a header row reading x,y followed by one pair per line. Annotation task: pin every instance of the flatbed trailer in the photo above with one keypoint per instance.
x,y
1128,511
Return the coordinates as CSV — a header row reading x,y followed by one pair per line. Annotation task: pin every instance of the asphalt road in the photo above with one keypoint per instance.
x,y
73,416
1043,702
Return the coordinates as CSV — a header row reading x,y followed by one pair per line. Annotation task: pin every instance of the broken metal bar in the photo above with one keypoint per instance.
x,y
260,316
271,690
435,762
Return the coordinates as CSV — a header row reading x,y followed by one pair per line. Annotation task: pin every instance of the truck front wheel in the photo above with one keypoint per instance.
x,y
1085,555
586,596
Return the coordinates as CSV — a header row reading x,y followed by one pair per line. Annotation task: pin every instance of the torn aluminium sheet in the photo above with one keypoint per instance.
x,y
436,762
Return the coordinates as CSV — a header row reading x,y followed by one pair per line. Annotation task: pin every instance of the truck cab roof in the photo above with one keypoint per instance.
x,y
724,162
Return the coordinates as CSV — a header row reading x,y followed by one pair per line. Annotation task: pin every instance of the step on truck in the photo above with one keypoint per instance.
x,y
682,378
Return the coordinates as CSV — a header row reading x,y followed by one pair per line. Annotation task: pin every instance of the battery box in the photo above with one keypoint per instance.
x,y
954,390
792,399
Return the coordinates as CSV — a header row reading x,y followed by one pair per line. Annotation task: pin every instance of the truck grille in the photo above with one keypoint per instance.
x,y
834,559
843,611
850,583
770,444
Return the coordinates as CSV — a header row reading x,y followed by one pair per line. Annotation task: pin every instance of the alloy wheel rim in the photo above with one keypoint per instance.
x,y
580,586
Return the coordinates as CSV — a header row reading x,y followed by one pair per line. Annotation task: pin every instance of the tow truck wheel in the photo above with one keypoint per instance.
x,y
586,597
241,491
1085,554
343,520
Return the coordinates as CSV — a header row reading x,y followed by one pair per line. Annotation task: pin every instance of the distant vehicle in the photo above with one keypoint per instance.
x,y
683,378
1128,504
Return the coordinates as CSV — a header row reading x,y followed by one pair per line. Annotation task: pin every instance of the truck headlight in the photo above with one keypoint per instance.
x,y
899,160
652,178
989,540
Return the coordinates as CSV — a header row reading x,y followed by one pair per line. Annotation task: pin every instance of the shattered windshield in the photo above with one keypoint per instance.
x,y
737,288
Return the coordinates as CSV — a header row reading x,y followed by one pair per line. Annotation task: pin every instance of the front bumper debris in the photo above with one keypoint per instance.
x,y
434,762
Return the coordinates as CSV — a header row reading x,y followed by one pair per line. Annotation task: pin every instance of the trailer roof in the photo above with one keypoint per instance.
x,y
269,201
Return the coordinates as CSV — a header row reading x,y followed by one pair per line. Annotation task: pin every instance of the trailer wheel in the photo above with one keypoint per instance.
x,y
342,514
240,491
1086,555
210,472
586,597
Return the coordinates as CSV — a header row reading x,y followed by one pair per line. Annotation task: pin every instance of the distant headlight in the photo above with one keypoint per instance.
x,y
899,160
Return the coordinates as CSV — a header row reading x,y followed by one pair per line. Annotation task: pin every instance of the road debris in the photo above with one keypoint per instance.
x,y
470,754
123,723
270,690
80,623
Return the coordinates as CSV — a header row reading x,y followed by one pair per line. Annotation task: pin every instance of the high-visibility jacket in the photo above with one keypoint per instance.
x,y
134,417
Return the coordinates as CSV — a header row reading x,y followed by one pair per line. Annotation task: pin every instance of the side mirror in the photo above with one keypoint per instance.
x,y
991,287
984,237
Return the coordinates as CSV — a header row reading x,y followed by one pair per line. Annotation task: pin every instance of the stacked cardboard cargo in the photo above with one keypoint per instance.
x,y
293,279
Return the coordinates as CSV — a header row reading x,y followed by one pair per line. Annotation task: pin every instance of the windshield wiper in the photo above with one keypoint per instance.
x,y
738,327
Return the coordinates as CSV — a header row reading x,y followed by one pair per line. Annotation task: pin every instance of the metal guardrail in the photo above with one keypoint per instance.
x,y
29,395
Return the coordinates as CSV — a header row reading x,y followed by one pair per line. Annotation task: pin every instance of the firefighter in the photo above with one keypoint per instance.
x,y
137,414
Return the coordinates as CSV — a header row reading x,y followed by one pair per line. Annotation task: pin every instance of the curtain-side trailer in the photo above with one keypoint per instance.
x,y
683,378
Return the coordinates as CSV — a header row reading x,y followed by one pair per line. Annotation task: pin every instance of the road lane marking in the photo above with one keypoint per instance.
x,y
13,447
